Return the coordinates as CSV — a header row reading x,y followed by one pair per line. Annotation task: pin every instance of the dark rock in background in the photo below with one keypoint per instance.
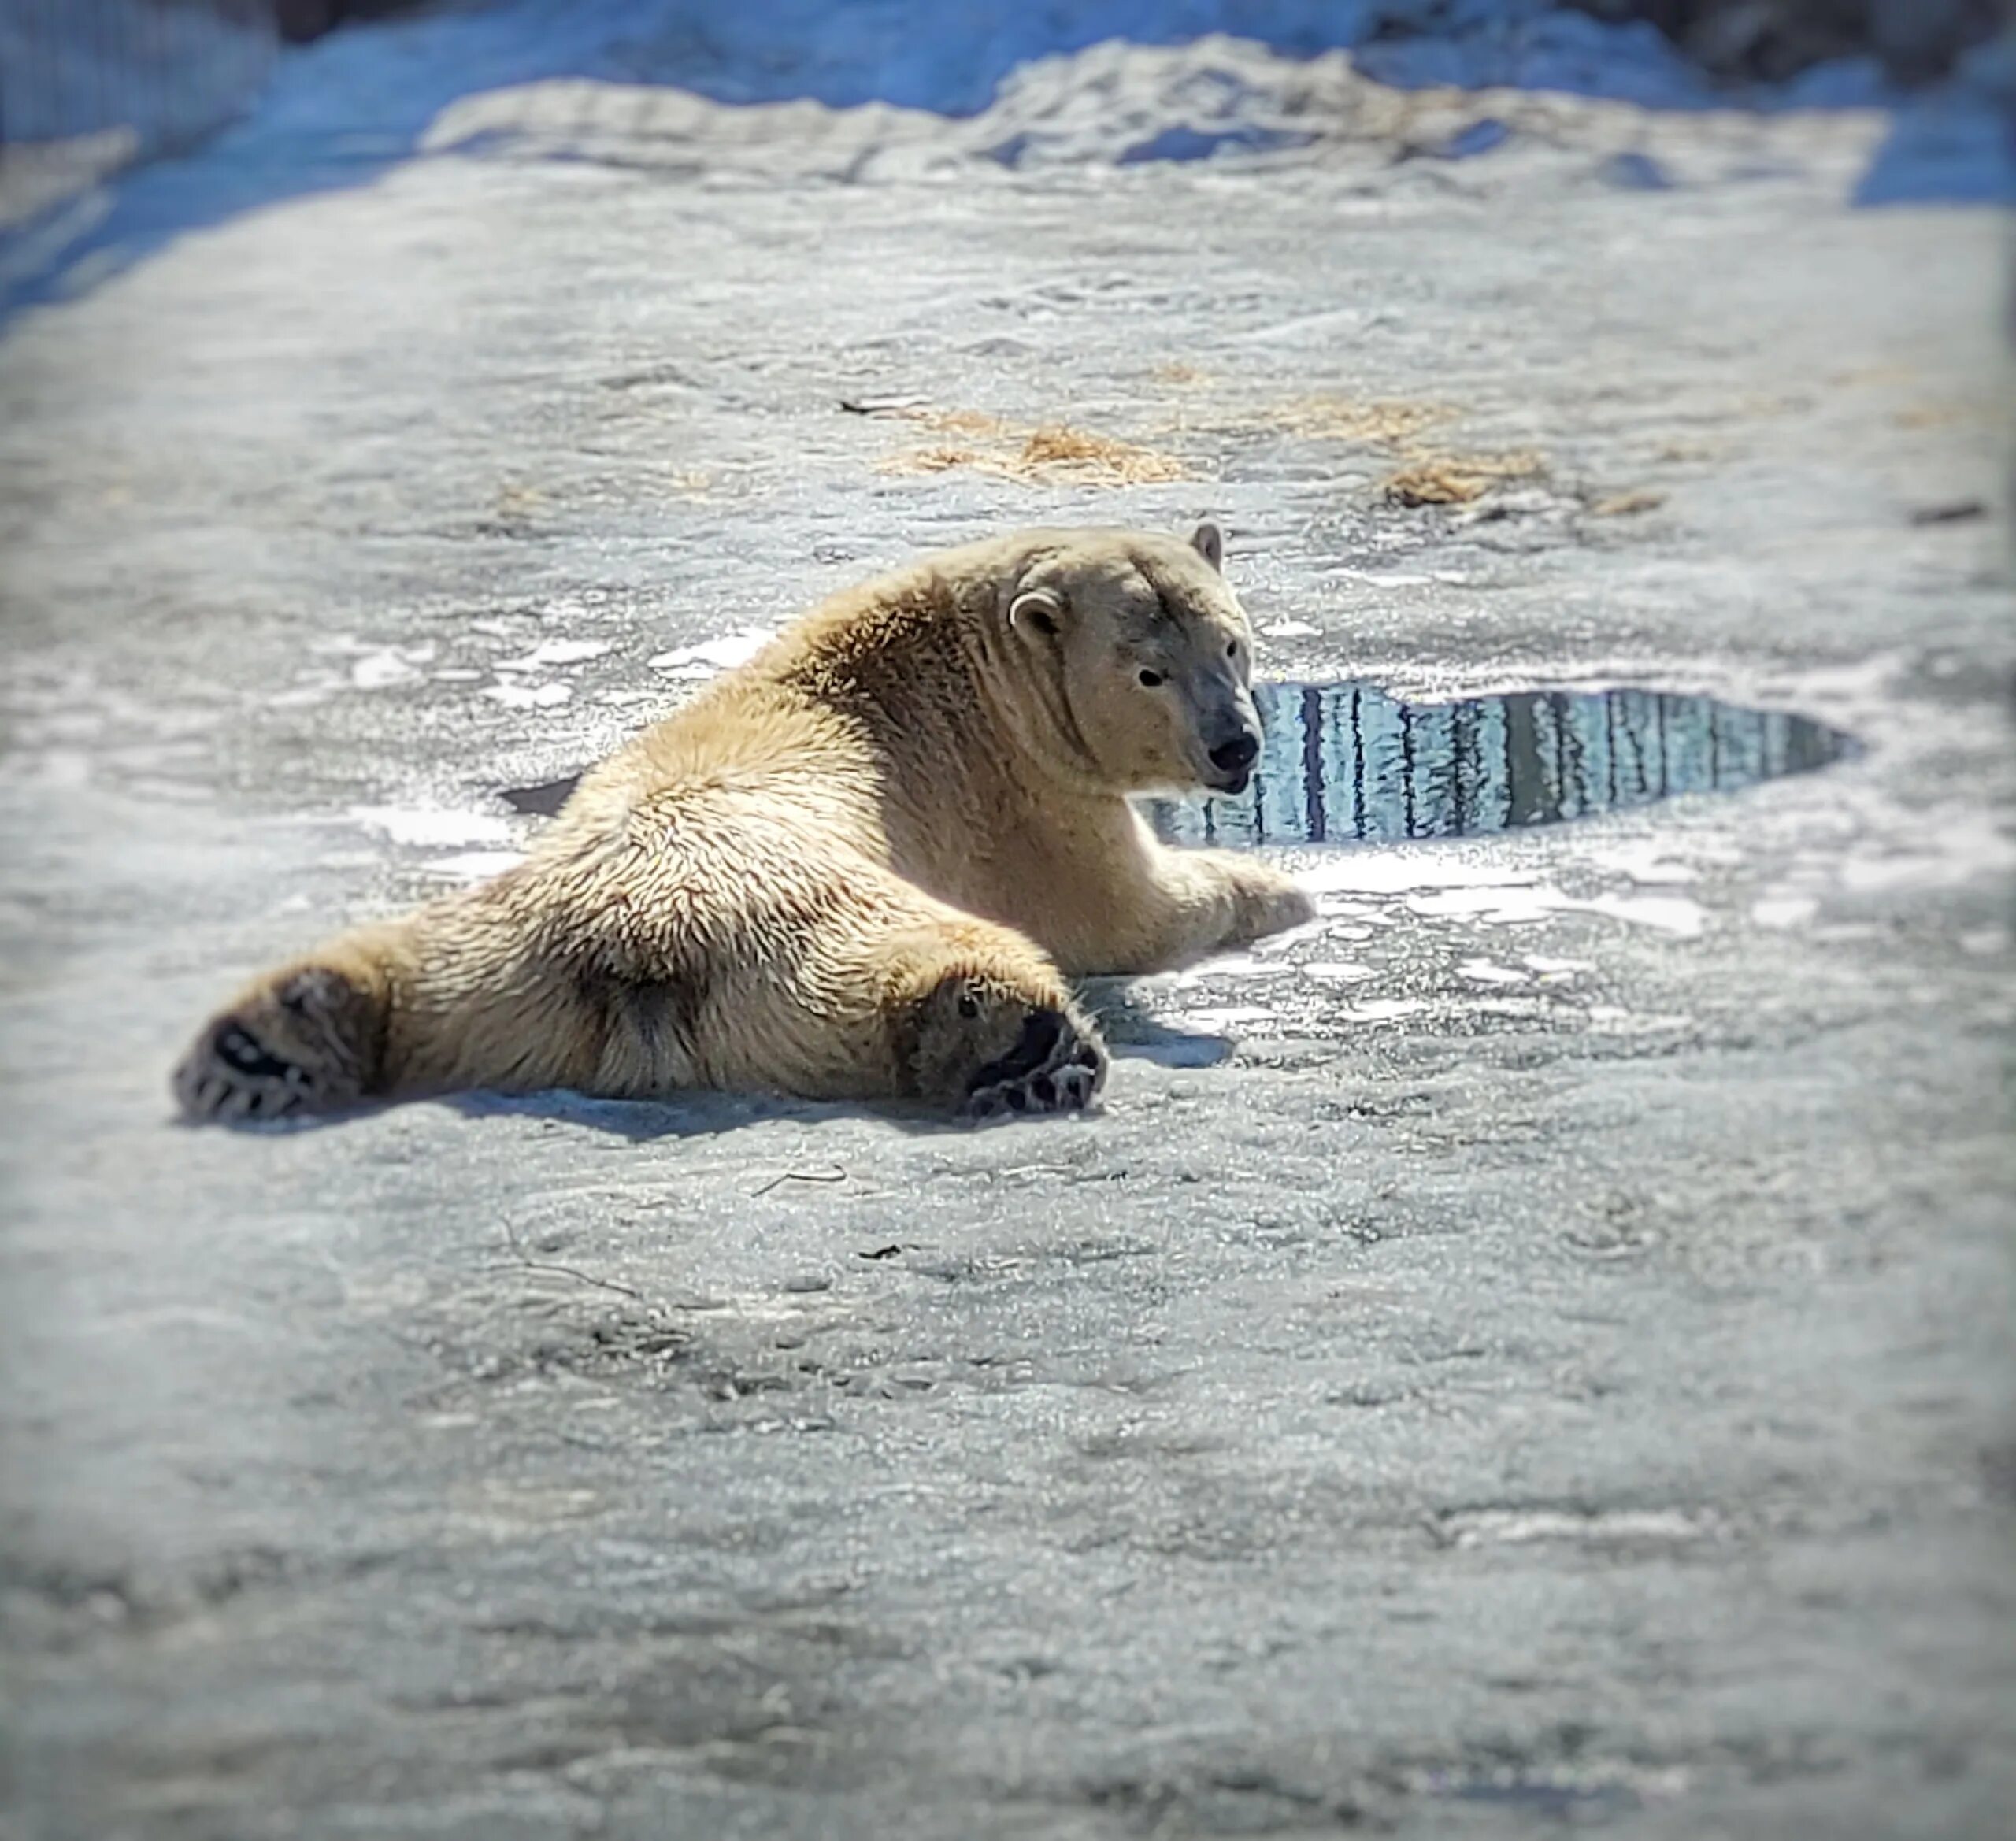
x,y
1772,41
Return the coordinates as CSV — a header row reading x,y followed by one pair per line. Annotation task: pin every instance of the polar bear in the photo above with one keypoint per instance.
x,y
862,866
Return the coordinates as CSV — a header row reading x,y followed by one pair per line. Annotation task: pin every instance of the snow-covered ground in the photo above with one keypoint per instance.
x,y
1529,1350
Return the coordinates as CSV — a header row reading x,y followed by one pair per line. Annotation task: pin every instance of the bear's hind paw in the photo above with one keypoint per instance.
x,y
230,1074
286,1050
1054,1068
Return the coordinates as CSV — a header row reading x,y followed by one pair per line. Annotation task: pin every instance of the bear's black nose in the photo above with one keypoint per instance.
x,y
1238,754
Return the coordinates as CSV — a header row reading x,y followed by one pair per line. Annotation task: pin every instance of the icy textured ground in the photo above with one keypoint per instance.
x,y
1532,1350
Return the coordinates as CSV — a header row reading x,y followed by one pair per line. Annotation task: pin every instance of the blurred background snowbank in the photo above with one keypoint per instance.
x,y
233,115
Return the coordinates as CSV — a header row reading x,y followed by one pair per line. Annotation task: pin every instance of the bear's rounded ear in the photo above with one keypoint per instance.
x,y
1036,611
1209,542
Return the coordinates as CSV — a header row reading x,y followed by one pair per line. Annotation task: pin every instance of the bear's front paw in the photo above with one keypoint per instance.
x,y
296,1045
1268,902
1055,1066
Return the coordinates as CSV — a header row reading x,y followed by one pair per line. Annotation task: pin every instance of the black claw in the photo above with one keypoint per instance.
x,y
1018,1100
1045,1089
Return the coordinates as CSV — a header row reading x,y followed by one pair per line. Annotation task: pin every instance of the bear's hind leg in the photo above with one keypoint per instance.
x,y
464,993
309,1037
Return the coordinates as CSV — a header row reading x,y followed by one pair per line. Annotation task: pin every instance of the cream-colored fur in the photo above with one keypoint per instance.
x,y
862,866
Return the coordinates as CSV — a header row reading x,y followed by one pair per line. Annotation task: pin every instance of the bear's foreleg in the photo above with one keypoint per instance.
x,y
1182,905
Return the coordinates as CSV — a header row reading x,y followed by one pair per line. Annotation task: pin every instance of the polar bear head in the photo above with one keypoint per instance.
x,y
1139,658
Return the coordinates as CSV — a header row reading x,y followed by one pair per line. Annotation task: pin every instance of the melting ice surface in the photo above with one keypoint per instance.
x,y
1342,762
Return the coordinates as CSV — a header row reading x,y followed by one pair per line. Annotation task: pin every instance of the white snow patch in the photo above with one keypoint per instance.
x,y
1386,579
1384,1009
1232,966
530,696
1611,1020
1519,1527
714,655
1290,629
1487,972
404,825
1337,972
1335,909
378,671
1232,1016
1505,904
1781,911
1391,872
1644,862
553,653
475,865
1673,914
1515,904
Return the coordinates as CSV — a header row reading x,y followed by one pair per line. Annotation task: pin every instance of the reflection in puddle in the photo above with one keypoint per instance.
x,y
1341,762
1345,761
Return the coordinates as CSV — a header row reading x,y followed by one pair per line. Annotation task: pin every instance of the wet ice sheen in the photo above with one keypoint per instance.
x,y
1345,762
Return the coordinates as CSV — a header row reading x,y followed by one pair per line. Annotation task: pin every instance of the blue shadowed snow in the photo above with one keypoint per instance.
x,y
1183,142
1479,137
1937,156
1937,153
341,111
1634,172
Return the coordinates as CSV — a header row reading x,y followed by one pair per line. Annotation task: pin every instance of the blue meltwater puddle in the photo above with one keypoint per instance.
x,y
1341,763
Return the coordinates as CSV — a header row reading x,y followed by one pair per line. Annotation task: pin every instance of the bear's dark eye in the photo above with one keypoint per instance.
x,y
969,1004
1151,678
1231,649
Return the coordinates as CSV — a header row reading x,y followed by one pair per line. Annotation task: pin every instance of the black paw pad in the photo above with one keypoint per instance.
x,y
1041,1030
1051,1069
